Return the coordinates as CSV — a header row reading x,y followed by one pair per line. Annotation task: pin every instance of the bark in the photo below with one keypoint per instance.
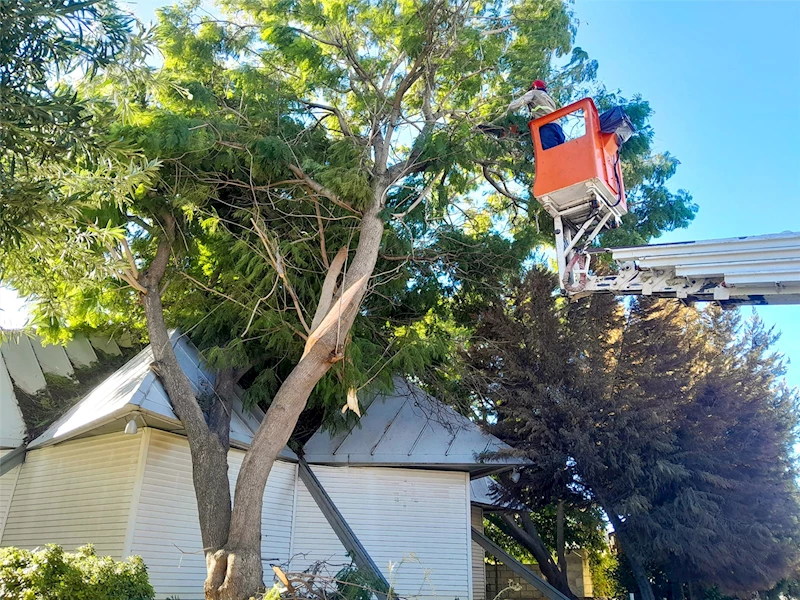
x,y
528,537
676,586
560,550
219,414
235,572
209,454
635,561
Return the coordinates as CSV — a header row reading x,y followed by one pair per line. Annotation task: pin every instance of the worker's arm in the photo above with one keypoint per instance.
x,y
521,101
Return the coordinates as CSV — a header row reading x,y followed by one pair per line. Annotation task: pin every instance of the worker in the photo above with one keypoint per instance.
x,y
540,104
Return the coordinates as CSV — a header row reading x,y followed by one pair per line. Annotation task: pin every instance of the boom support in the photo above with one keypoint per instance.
x,y
762,269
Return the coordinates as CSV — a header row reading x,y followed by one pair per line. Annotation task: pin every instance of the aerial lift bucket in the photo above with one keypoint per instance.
x,y
579,183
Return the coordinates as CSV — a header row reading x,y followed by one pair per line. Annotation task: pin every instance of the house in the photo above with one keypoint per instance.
x,y
115,471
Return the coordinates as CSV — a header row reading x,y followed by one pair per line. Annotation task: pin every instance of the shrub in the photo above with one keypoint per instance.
x,y
52,574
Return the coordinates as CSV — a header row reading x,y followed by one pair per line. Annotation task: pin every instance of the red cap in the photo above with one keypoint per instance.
x,y
539,85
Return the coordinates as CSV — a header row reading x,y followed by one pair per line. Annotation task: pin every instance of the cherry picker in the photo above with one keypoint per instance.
x,y
579,183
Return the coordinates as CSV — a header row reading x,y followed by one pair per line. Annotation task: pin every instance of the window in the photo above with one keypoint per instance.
x,y
574,125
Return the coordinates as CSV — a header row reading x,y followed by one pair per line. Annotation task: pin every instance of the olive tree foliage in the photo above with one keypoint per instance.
x,y
44,44
56,161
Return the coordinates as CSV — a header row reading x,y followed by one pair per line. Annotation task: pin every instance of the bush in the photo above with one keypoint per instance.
x,y
52,574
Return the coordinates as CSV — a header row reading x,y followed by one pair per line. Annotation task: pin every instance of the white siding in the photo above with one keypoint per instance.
x,y
166,529
8,482
413,523
478,558
75,493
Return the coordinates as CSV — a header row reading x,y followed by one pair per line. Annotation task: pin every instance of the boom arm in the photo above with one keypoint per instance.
x,y
762,269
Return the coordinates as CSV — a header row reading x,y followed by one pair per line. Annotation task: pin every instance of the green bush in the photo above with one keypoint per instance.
x,y
52,574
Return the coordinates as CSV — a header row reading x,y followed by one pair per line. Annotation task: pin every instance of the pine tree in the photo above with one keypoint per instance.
x,y
672,420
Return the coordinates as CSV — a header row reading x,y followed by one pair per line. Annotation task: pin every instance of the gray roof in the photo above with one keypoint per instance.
x,y
135,389
409,428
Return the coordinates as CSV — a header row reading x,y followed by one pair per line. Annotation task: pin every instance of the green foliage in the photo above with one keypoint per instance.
x,y
353,583
603,567
215,131
54,574
43,119
675,421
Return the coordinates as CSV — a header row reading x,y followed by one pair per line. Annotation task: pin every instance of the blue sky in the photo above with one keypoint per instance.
x,y
724,81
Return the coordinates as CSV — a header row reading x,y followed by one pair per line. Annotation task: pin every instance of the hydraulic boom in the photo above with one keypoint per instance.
x,y
579,183
759,269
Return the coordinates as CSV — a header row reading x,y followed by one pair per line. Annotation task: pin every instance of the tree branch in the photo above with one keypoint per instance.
x,y
424,194
322,190
345,127
501,189
277,263
387,79
152,277
329,287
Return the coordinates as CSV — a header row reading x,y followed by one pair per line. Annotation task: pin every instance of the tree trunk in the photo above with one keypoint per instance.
x,y
676,586
209,455
528,537
235,571
560,550
637,566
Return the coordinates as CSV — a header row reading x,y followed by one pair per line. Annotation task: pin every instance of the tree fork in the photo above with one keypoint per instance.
x,y
528,537
209,454
240,556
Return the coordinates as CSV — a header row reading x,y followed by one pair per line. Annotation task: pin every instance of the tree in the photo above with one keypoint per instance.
x,y
659,414
738,496
355,165
316,166
548,533
42,121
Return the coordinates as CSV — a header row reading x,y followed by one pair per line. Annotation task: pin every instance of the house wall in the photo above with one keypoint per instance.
x,y
8,482
393,512
74,494
165,529
478,557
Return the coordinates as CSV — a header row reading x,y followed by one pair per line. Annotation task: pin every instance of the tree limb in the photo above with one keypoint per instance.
x,y
501,188
424,194
345,127
329,288
277,263
322,190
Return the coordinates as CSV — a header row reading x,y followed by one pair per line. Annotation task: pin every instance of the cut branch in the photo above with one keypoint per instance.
x,y
329,288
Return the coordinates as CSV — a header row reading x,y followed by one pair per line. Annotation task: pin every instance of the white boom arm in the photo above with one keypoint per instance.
x,y
761,269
